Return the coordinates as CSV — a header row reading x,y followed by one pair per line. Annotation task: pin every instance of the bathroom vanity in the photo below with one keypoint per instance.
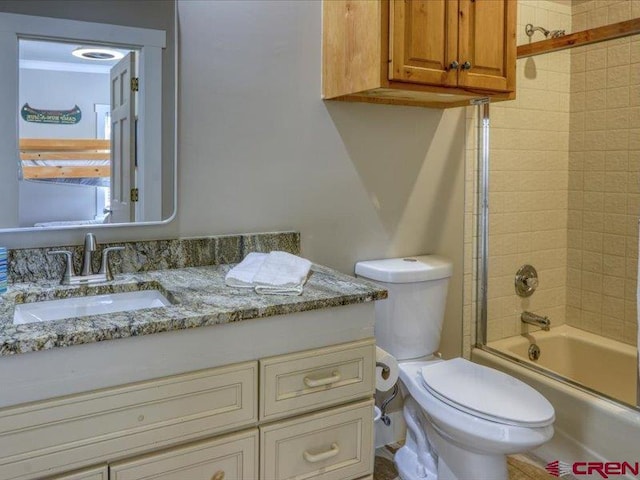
x,y
220,384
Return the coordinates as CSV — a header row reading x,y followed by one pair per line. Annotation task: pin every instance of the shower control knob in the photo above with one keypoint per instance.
x,y
526,281
454,65
466,65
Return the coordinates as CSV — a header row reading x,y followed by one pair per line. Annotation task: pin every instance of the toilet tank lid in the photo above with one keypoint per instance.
x,y
406,270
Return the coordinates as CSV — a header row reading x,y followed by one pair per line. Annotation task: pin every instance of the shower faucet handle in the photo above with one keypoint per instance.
x,y
526,281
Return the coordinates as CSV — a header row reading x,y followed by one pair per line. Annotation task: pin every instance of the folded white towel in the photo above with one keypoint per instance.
x,y
242,274
282,273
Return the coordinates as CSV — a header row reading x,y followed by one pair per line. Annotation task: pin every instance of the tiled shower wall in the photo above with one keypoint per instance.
x,y
604,176
528,197
529,175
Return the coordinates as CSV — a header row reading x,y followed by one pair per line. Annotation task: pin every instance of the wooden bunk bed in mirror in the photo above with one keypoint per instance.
x,y
55,158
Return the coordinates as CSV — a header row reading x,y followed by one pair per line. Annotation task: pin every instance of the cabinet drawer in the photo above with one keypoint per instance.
x,y
98,473
234,457
73,432
335,444
309,380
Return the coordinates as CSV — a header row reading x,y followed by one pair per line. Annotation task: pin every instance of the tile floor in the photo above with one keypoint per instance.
x,y
520,468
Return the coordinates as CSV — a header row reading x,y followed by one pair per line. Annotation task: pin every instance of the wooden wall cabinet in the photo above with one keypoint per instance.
x,y
434,53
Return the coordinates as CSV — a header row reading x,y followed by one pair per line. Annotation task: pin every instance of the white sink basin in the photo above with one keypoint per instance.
x,y
84,306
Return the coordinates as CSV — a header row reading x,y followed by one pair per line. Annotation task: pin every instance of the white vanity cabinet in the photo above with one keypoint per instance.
x,y
333,443
307,414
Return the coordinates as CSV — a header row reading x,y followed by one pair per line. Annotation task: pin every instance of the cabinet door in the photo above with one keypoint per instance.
x,y
76,431
335,444
423,41
234,457
98,473
487,30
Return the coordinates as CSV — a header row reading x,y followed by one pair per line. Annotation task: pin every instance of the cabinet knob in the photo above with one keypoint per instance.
x,y
219,475
466,65
454,65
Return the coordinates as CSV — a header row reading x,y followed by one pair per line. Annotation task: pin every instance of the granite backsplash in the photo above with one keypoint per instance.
x,y
33,264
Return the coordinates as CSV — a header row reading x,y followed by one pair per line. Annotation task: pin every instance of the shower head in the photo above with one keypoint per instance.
x,y
530,30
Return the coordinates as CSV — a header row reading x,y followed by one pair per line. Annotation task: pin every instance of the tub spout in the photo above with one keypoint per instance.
x,y
531,318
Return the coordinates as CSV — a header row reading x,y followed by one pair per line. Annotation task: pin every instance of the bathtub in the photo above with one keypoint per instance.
x,y
589,426
606,366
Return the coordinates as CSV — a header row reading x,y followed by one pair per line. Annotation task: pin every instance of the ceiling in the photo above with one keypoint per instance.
x,y
48,55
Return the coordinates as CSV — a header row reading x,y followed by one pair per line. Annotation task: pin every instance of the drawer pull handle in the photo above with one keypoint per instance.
x,y
310,382
318,457
219,475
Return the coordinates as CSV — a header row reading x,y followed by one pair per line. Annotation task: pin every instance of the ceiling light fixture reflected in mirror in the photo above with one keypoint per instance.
x,y
99,54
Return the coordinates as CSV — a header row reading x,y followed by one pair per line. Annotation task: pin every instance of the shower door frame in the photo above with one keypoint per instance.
x,y
482,256
595,35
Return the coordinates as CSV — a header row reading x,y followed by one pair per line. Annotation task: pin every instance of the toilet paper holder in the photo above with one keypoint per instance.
x,y
383,408
385,369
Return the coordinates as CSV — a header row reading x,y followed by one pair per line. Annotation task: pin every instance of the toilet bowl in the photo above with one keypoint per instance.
x,y
462,418
467,436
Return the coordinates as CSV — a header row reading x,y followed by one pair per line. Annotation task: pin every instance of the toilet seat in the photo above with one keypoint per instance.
x,y
486,393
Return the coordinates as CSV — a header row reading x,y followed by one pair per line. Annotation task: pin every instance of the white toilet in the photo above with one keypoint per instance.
x,y
462,418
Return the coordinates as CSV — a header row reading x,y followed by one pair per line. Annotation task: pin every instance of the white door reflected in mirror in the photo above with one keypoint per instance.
x,y
123,83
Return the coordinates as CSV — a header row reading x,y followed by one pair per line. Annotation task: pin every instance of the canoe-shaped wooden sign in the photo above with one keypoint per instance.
x,y
60,117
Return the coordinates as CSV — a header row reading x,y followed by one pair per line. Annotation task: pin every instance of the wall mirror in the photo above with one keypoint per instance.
x,y
87,113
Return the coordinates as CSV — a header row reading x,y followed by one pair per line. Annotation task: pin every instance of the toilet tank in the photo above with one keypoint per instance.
x,y
409,321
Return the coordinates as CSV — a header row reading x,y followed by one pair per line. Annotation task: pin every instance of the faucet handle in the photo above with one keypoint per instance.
x,y
68,271
105,268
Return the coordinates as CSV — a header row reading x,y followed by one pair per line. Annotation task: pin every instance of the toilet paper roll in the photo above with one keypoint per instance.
x,y
385,379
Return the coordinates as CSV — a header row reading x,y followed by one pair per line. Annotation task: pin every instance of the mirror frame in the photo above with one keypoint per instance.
x,y
49,28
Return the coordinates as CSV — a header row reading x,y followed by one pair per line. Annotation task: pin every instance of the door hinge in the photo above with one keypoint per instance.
x,y
135,194
135,84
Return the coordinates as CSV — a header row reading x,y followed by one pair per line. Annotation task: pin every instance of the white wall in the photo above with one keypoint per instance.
x,y
55,90
260,151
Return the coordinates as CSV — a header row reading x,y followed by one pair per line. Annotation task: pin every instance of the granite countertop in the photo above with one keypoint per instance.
x,y
198,295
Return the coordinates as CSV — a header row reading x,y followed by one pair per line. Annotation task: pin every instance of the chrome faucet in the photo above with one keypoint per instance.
x,y
89,248
86,272
531,318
